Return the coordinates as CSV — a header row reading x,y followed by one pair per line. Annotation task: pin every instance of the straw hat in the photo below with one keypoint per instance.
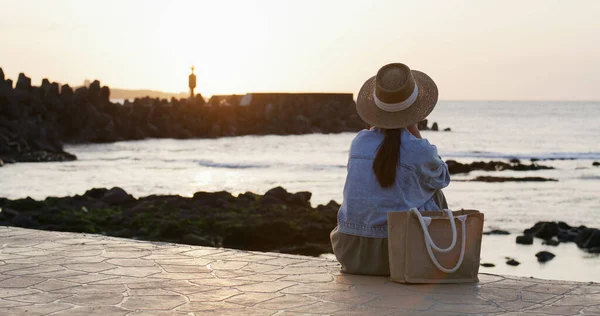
x,y
396,97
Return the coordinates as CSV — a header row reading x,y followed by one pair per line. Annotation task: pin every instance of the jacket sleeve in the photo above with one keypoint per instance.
x,y
434,171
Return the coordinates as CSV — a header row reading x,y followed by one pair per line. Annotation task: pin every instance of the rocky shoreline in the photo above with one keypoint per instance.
x,y
35,121
277,221
515,165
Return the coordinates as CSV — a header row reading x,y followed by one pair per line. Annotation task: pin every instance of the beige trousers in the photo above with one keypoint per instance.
x,y
365,255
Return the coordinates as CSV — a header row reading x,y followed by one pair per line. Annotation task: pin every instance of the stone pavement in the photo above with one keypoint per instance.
x,y
55,273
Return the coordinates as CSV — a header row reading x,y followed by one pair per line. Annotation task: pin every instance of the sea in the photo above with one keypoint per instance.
x,y
564,135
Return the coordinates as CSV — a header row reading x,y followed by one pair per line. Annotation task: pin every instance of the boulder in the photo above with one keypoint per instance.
x,y
94,90
551,242
496,232
513,262
596,163
279,193
104,95
9,213
547,230
95,193
214,199
511,179
525,240
1,75
270,200
488,265
23,83
564,226
567,235
66,91
447,129
588,238
300,198
117,196
544,256
435,127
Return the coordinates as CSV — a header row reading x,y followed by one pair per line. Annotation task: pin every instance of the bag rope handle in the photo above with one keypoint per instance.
x,y
429,242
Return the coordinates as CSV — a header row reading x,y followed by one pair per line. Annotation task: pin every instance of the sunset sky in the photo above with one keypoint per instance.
x,y
506,49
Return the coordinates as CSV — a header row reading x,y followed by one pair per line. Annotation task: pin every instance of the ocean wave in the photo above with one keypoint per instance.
x,y
589,177
540,156
212,164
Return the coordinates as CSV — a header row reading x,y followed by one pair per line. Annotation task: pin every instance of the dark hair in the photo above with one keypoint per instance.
x,y
386,161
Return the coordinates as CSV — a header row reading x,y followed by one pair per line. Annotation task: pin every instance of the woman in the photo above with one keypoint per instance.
x,y
391,167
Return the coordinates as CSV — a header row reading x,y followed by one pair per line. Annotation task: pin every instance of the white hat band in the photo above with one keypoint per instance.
x,y
396,107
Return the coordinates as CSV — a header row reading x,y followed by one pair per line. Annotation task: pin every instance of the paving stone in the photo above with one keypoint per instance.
x,y
95,299
287,302
53,285
158,302
90,267
213,296
35,310
131,263
202,307
94,310
185,268
61,273
38,298
137,272
266,287
20,282
251,299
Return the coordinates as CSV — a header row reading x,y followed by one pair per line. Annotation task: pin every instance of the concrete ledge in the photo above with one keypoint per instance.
x,y
56,273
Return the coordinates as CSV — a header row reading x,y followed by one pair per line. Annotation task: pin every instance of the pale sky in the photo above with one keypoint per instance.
x,y
473,49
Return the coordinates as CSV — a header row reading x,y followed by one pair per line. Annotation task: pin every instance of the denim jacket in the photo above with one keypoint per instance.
x,y
420,172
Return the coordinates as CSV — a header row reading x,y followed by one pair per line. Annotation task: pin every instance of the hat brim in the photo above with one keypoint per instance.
x,y
373,115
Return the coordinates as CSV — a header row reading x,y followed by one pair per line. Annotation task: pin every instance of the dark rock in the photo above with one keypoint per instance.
x,y
525,240
214,199
488,265
544,256
95,193
271,200
567,236
210,218
66,91
510,179
596,163
547,230
513,262
23,83
564,226
515,161
456,167
588,238
447,129
551,242
117,196
279,193
496,232
583,236
300,198
24,221
1,75
8,213
435,127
